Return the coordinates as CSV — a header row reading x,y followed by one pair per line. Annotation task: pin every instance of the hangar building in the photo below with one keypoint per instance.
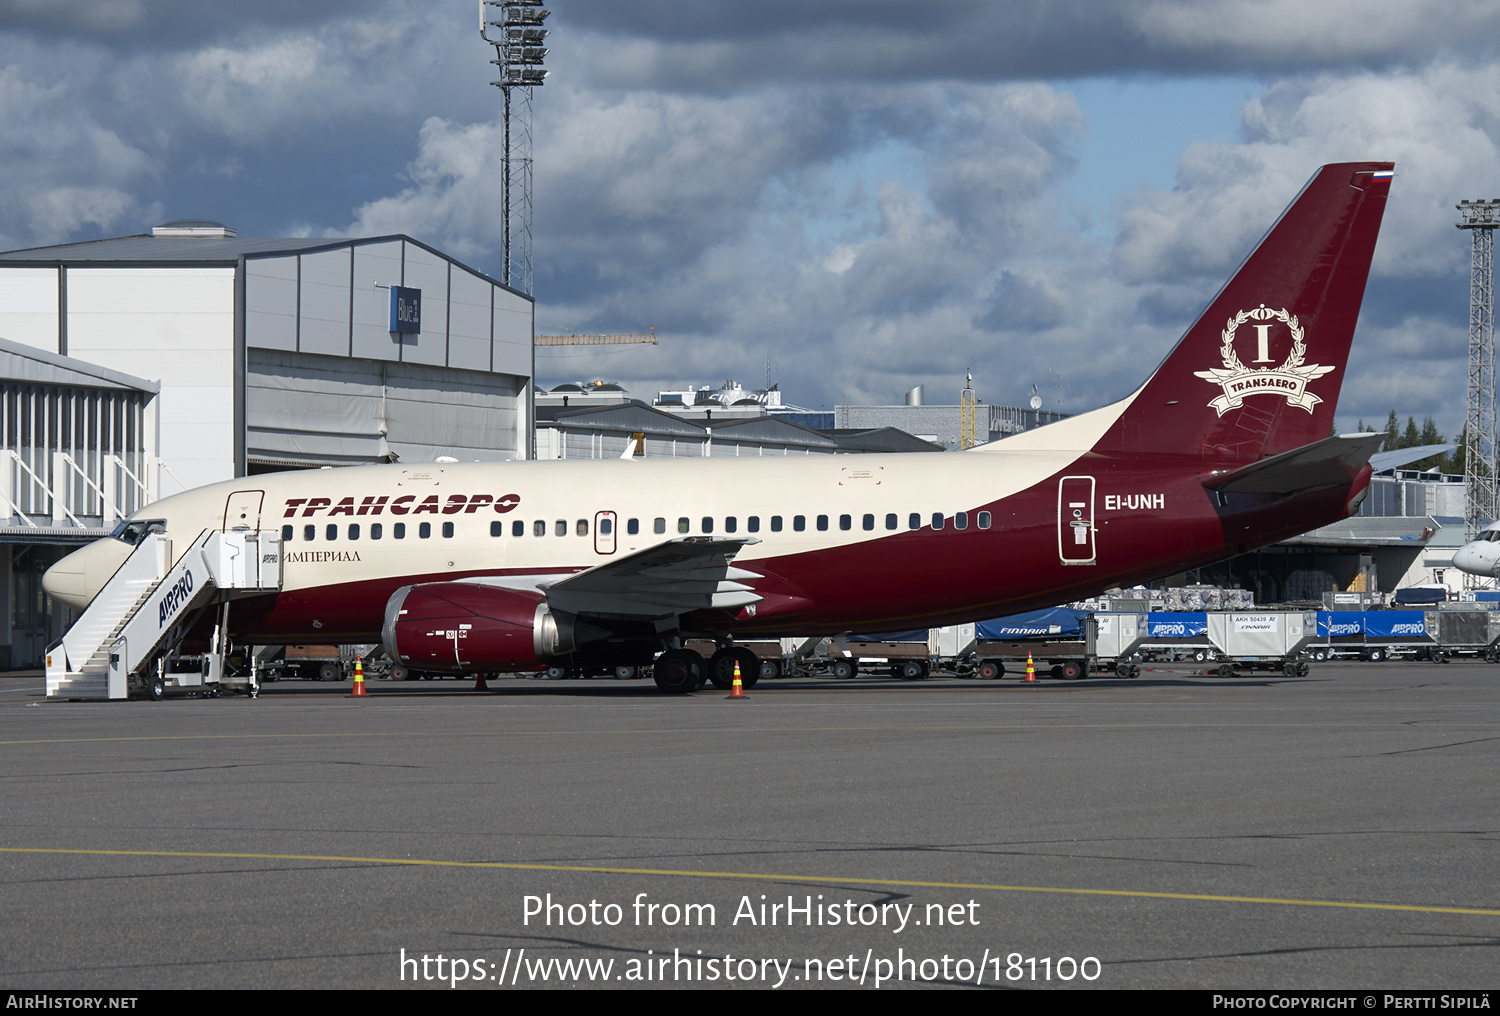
x,y
140,366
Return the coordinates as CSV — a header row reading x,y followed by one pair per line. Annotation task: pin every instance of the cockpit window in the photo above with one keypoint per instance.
x,y
133,531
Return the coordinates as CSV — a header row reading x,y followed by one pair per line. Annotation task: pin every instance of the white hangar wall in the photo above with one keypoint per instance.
x,y
278,353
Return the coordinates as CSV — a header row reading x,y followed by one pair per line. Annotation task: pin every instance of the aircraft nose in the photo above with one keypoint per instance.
x,y
77,578
1470,558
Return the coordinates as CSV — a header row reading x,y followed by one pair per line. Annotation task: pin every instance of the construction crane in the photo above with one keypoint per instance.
x,y
574,339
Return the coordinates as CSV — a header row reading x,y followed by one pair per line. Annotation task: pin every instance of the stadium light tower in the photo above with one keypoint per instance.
x,y
1480,481
514,28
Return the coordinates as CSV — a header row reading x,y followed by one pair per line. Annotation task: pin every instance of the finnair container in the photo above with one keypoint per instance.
x,y
1244,635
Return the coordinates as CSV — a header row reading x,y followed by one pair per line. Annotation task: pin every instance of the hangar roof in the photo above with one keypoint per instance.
x,y
195,251
20,362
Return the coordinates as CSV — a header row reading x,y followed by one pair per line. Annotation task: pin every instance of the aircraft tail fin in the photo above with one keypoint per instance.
x,y
1259,372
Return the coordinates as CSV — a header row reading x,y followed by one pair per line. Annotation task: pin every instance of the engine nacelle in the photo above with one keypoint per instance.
x,y
462,627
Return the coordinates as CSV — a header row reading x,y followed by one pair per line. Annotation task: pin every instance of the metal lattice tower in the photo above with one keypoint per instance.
x,y
514,28
1480,490
967,411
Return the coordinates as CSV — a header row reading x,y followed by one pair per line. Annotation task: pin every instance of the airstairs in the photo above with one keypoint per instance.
x,y
149,604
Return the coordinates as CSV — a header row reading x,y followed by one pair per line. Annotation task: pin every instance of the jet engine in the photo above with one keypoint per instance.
x,y
465,627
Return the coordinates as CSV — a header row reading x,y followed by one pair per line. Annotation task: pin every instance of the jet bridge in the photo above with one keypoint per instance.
x,y
148,606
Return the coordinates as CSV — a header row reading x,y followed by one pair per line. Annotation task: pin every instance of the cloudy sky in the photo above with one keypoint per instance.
x,y
855,195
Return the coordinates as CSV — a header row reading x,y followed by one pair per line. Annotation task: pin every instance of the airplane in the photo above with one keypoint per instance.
x,y
1481,556
507,567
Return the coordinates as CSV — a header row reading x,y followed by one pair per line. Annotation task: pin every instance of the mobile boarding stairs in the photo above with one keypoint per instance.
x,y
127,636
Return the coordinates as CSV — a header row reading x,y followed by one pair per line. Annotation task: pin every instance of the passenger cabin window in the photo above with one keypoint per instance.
x,y
960,520
398,530
731,524
708,524
775,523
582,528
822,523
845,522
937,520
799,522
424,531
286,534
984,520
868,522
890,521
561,527
682,525
354,530
914,521
658,526
376,530
309,533
752,524
539,528
333,531
518,528
447,530
497,528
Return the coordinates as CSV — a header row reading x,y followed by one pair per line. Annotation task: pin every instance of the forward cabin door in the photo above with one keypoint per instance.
x,y
1075,519
604,532
242,510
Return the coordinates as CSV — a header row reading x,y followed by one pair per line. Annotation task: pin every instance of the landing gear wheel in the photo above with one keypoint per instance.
x,y
721,667
991,670
678,671
1072,671
157,688
843,669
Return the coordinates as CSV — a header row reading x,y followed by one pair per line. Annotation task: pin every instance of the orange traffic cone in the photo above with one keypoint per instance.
x,y
359,679
737,690
1030,668
479,684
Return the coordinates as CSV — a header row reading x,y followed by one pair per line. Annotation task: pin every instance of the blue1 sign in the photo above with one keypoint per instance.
x,y
406,310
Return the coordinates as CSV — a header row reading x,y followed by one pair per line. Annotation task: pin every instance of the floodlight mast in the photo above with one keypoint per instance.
x,y
514,28
1481,493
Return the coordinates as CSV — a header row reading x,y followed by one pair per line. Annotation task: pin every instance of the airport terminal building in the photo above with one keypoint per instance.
x,y
136,367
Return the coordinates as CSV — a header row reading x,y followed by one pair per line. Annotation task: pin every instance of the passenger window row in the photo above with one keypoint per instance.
x,y
377,531
707,524
867,523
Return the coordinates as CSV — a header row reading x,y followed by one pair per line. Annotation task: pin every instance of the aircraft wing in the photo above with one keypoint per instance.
x,y
1331,460
681,575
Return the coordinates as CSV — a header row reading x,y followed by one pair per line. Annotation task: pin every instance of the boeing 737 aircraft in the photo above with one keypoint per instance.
x,y
512,566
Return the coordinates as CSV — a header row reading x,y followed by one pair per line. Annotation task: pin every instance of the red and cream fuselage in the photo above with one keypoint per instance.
x,y
1212,456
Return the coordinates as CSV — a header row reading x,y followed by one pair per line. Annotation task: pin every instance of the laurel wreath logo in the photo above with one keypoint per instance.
x,y
1288,380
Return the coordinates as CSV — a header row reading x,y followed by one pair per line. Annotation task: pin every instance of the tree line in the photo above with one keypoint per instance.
x,y
1412,436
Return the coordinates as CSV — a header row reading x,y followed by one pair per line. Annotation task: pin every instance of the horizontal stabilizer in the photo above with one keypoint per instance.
x,y
676,577
1331,460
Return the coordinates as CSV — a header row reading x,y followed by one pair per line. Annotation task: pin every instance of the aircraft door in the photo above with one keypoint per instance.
x,y
1075,519
604,532
242,510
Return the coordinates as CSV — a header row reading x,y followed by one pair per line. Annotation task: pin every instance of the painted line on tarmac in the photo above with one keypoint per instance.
x,y
1403,724
758,877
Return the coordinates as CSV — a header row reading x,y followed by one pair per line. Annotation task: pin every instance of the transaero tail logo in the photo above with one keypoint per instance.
x,y
175,598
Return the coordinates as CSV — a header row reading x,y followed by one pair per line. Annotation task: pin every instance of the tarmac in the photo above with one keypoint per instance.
x,y
1175,831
